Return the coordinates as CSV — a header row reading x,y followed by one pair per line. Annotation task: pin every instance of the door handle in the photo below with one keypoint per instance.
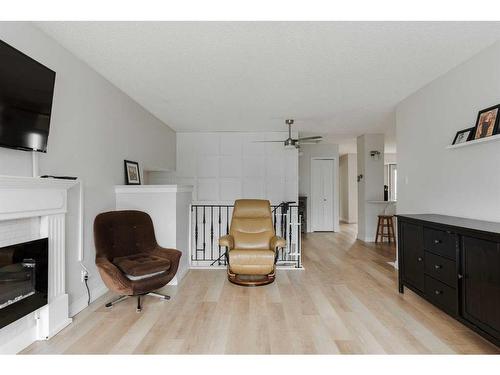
x,y
438,266
438,292
437,242
420,259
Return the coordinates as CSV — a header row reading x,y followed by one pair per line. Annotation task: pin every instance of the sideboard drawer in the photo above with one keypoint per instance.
x,y
442,269
440,242
441,294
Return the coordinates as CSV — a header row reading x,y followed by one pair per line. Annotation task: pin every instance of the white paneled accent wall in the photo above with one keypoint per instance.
x,y
225,166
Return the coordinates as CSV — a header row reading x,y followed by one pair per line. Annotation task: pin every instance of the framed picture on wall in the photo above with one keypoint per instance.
x,y
487,122
463,136
132,173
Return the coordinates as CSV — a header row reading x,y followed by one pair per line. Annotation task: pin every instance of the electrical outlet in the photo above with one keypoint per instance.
x,y
85,274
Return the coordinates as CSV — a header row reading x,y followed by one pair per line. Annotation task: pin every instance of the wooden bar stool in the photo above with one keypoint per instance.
x,y
385,221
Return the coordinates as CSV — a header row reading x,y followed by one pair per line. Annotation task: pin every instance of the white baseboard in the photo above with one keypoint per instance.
x,y
394,264
366,238
179,276
81,303
60,327
346,221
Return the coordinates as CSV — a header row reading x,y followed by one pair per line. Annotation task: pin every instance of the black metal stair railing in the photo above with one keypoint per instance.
x,y
211,221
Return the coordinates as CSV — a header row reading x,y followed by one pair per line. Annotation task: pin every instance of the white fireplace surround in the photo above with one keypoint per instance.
x,y
43,203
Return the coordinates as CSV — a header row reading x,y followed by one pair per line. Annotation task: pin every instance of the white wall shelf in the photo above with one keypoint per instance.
x,y
492,138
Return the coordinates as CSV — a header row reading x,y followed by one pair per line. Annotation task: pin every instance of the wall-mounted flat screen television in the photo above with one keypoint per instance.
x,y
26,92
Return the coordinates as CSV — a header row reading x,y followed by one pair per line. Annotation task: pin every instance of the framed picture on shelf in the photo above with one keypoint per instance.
x,y
463,136
487,122
132,173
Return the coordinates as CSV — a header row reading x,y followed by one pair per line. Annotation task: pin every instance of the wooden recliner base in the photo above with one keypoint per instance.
x,y
250,280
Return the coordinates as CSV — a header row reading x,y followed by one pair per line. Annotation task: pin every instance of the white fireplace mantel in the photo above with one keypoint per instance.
x,y
46,199
28,196
34,182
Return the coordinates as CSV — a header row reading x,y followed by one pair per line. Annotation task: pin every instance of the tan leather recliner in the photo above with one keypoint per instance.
x,y
251,243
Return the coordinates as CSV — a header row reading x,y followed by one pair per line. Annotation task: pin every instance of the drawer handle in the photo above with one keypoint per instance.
x,y
437,242
419,259
438,292
438,266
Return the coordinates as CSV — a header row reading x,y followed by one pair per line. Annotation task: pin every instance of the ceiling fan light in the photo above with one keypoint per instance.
x,y
290,147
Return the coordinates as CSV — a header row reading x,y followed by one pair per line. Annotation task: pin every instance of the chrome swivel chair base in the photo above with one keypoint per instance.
x,y
138,309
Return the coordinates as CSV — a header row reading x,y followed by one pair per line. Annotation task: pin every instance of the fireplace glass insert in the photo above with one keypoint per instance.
x,y
23,279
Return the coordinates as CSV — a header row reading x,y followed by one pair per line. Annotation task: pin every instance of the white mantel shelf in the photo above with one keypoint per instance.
x,y
153,188
492,138
20,182
32,196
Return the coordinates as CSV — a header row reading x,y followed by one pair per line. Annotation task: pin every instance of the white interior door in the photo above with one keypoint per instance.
x,y
322,194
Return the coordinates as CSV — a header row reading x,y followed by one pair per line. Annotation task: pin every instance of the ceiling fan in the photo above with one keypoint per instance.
x,y
295,143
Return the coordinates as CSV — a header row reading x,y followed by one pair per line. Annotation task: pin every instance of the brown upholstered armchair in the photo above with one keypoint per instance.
x,y
251,243
129,259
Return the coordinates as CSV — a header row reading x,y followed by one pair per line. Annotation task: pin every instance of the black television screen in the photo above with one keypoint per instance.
x,y
26,91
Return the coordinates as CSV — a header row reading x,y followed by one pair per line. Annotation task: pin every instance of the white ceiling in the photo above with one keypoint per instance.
x,y
339,79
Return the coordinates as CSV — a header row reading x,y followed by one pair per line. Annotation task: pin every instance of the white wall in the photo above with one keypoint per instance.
x,y
325,151
343,189
94,127
432,179
225,166
390,158
348,188
371,186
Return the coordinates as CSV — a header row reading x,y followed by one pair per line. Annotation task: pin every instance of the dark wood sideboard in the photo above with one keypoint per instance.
x,y
454,263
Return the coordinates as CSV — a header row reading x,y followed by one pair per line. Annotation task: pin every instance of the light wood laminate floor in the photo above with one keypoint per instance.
x,y
345,301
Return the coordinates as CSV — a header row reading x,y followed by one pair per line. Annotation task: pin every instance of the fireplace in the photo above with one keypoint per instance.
x,y
32,208
23,279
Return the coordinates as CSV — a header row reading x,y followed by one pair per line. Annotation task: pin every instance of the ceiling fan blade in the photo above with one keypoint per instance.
x,y
267,141
318,137
309,143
